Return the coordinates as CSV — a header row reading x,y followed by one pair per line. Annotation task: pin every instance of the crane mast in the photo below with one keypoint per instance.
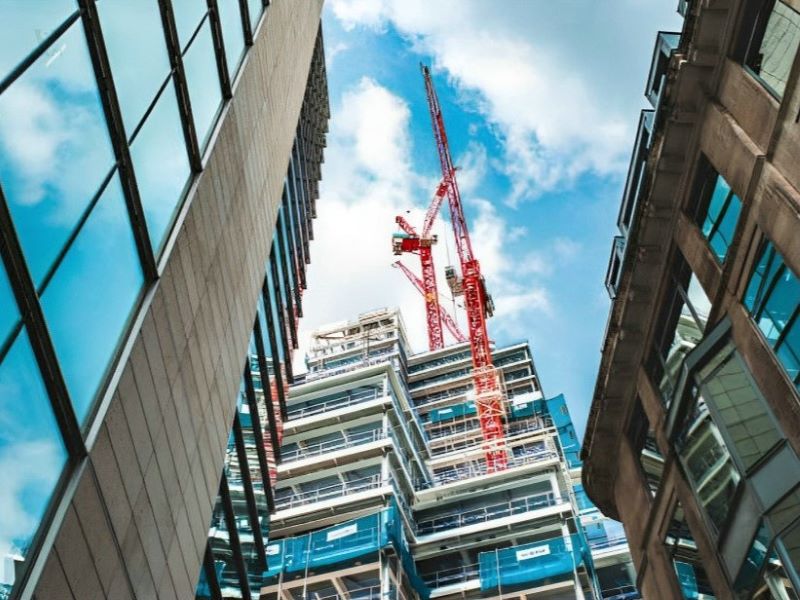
x,y
489,399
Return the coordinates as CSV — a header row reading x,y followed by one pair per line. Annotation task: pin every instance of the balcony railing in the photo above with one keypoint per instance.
x,y
452,576
373,359
334,403
486,513
338,490
349,441
604,543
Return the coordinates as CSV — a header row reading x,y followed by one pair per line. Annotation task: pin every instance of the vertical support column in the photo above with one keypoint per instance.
x,y
556,487
576,579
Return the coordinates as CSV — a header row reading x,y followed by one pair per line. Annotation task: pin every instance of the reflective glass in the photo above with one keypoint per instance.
x,y
743,412
219,540
230,17
188,14
773,57
134,39
203,590
791,544
32,456
719,198
89,300
780,304
202,79
722,215
25,24
54,148
274,309
748,576
9,314
161,165
255,7
789,352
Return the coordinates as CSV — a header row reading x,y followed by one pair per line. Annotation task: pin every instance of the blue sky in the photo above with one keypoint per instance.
x,y
540,100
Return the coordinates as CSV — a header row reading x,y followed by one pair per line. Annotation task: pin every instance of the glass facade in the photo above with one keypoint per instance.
x,y
772,44
773,299
93,170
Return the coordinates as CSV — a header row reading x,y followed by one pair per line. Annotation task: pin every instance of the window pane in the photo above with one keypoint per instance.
x,y
780,305
161,165
32,455
726,228
54,148
789,352
219,539
188,14
89,300
9,314
133,29
25,24
716,204
744,414
255,7
773,59
230,17
203,81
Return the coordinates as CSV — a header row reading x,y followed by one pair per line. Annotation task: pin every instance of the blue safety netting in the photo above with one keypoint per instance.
x,y
687,579
452,412
524,410
345,542
557,407
532,563
582,498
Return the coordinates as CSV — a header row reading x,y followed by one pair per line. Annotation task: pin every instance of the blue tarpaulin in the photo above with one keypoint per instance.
x,y
523,410
345,542
687,579
557,407
451,412
531,563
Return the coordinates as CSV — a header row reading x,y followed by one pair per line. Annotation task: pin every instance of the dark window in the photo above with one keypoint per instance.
x,y
770,40
643,443
681,547
680,326
773,299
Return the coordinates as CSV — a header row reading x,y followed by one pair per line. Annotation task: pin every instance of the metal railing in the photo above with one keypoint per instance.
x,y
607,542
452,576
328,492
334,403
623,592
487,513
373,359
349,440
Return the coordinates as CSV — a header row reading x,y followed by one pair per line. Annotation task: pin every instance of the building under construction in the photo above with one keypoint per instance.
x,y
384,491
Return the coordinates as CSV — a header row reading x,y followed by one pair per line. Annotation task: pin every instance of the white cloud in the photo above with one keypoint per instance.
x,y
532,71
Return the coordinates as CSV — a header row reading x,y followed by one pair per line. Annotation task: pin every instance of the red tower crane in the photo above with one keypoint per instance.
x,y
448,321
422,244
489,399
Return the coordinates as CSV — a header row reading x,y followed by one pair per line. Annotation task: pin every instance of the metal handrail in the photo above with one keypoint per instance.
x,y
487,513
608,542
333,404
355,439
331,491
373,359
452,576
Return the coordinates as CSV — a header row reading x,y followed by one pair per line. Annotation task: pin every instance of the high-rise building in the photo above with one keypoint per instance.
x,y
158,160
693,435
383,491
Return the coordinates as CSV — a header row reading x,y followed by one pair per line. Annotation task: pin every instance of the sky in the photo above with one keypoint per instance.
x,y
541,101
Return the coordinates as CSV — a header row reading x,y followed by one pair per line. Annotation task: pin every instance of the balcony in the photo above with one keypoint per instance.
x,y
666,44
486,513
452,576
349,441
344,400
331,492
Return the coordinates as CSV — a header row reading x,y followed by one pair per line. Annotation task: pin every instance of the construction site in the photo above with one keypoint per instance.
x,y
442,474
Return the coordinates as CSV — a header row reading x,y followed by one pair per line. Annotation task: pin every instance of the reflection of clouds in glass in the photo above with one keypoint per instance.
x,y
133,29
89,299
161,164
25,24
203,82
54,148
31,451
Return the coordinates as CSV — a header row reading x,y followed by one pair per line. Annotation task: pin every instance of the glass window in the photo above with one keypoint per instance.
x,y
721,216
202,78
55,149
230,18
25,24
790,542
255,7
773,299
680,545
773,44
90,298
161,165
275,318
32,456
682,322
133,29
188,14
219,538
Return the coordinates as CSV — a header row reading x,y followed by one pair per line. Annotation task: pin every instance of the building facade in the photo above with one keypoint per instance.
x,y
693,436
383,492
157,161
